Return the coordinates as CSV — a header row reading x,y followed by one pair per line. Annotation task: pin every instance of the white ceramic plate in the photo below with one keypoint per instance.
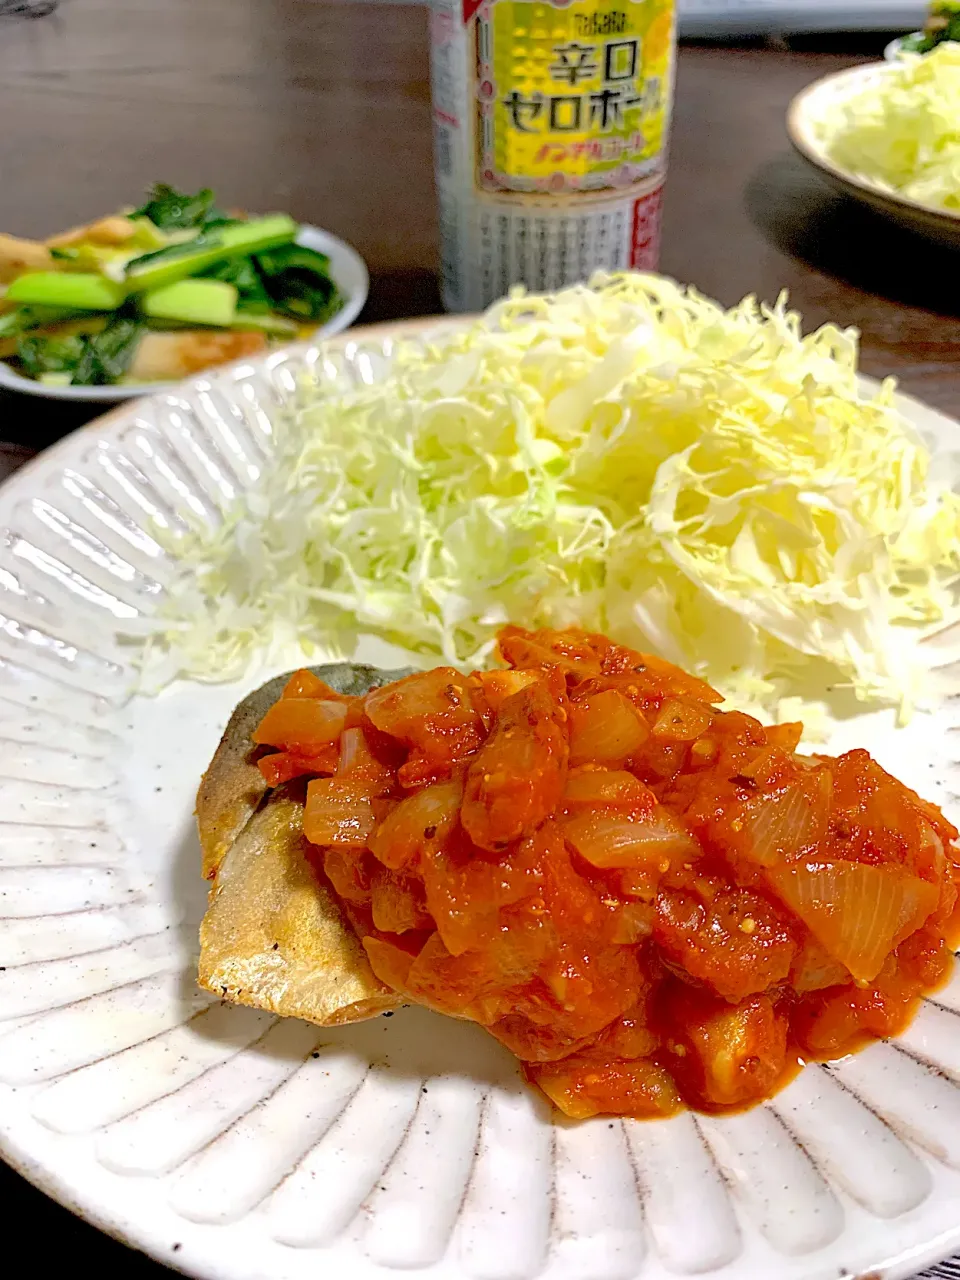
x,y
346,267
236,1146
817,103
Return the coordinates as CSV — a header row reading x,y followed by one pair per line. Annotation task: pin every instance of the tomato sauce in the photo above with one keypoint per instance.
x,y
653,903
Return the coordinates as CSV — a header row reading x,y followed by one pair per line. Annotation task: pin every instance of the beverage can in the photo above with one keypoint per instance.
x,y
551,120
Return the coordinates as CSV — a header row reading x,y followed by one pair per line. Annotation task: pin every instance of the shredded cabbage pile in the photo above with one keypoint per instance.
x,y
902,130
627,457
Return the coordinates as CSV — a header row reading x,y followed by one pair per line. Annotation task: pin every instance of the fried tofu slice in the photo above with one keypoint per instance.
x,y
274,937
19,256
112,232
167,357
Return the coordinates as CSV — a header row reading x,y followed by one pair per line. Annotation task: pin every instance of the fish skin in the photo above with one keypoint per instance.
x,y
274,936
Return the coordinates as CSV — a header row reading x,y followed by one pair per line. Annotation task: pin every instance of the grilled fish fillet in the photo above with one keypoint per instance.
x,y
273,936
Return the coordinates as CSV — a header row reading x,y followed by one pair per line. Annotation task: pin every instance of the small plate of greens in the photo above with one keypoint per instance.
x,y
149,296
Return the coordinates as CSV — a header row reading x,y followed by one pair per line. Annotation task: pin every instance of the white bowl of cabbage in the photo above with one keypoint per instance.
x,y
888,134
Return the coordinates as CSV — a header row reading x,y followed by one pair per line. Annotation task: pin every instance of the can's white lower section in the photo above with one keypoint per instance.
x,y
489,244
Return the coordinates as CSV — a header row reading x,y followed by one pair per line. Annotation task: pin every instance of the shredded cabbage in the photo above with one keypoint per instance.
x,y
627,457
902,130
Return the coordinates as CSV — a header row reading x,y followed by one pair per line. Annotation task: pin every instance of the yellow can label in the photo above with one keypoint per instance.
x,y
571,97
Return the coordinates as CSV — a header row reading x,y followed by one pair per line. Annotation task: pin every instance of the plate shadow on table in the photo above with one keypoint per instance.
x,y
804,217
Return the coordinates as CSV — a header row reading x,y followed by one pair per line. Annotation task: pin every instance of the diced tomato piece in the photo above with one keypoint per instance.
x,y
368,754
573,903
738,942
302,726
924,959
517,778
726,1055
433,714
660,763
569,650
635,1034
592,986
877,819
582,1088
832,1023
282,766
785,736
304,684
466,892
495,686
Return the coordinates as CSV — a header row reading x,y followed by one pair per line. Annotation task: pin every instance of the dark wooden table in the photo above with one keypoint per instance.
x,y
322,109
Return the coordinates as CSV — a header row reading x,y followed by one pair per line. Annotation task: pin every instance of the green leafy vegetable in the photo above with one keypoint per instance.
x,y
629,457
96,359
942,24
172,210
272,325
298,281
207,302
244,276
50,354
76,290
108,354
171,252
25,318
182,260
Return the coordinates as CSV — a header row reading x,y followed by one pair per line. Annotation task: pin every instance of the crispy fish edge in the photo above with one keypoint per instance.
x,y
274,936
